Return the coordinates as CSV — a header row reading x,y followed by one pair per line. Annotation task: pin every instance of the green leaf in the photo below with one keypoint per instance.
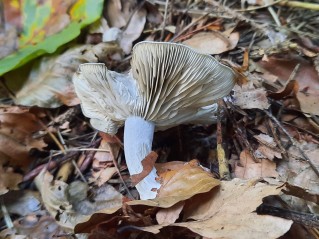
x,y
38,37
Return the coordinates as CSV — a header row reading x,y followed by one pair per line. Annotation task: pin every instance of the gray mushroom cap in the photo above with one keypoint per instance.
x,y
169,84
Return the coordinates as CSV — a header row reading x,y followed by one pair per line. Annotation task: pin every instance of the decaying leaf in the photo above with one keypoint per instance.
x,y
306,77
47,25
189,180
133,30
229,212
103,164
39,225
58,198
16,135
267,148
247,168
50,82
118,12
213,42
248,97
8,180
171,214
298,172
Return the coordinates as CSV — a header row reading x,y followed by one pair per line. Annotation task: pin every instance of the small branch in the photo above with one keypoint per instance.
x,y
164,22
305,5
293,141
222,161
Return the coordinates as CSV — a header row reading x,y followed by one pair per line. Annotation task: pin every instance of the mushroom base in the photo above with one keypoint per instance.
x,y
138,138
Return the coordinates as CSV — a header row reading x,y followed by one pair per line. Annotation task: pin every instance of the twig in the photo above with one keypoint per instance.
x,y
222,161
50,165
293,141
277,140
274,16
241,135
164,23
56,141
305,5
307,219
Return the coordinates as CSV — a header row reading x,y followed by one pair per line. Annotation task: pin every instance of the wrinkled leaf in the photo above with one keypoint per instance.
x,y
247,168
66,206
8,179
16,135
306,77
213,42
229,212
48,25
50,82
248,97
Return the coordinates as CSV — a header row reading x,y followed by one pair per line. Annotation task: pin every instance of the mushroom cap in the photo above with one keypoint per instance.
x,y
169,84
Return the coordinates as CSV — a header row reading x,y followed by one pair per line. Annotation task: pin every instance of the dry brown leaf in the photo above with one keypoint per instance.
x,y
8,180
267,152
298,172
268,147
69,208
133,30
50,82
190,180
309,102
248,168
102,176
213,42
16,135
306,77
228,212
248,97
118,12
181,184
40,226
169,215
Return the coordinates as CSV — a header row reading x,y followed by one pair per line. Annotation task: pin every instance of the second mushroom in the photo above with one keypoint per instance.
x,y
168,84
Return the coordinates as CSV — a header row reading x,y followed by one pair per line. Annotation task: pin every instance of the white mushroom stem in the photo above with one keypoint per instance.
x,y
138,138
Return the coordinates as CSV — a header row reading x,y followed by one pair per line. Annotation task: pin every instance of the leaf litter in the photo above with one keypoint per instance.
x,y
268,126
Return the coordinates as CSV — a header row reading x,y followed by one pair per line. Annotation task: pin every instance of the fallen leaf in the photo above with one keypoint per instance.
x,y
309,102
133,30
8,180
248,97
16,136
169,215
268,147
39,225
46,26
50,82
298,172
247,168
213,42
290,88
228,212
186,182
306,77
118,12
103,175
57,197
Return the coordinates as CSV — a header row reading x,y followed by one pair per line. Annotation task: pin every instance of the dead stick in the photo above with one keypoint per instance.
x,y
222,161
293,141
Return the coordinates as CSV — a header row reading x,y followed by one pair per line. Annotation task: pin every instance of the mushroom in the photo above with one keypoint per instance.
x,y
168,84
